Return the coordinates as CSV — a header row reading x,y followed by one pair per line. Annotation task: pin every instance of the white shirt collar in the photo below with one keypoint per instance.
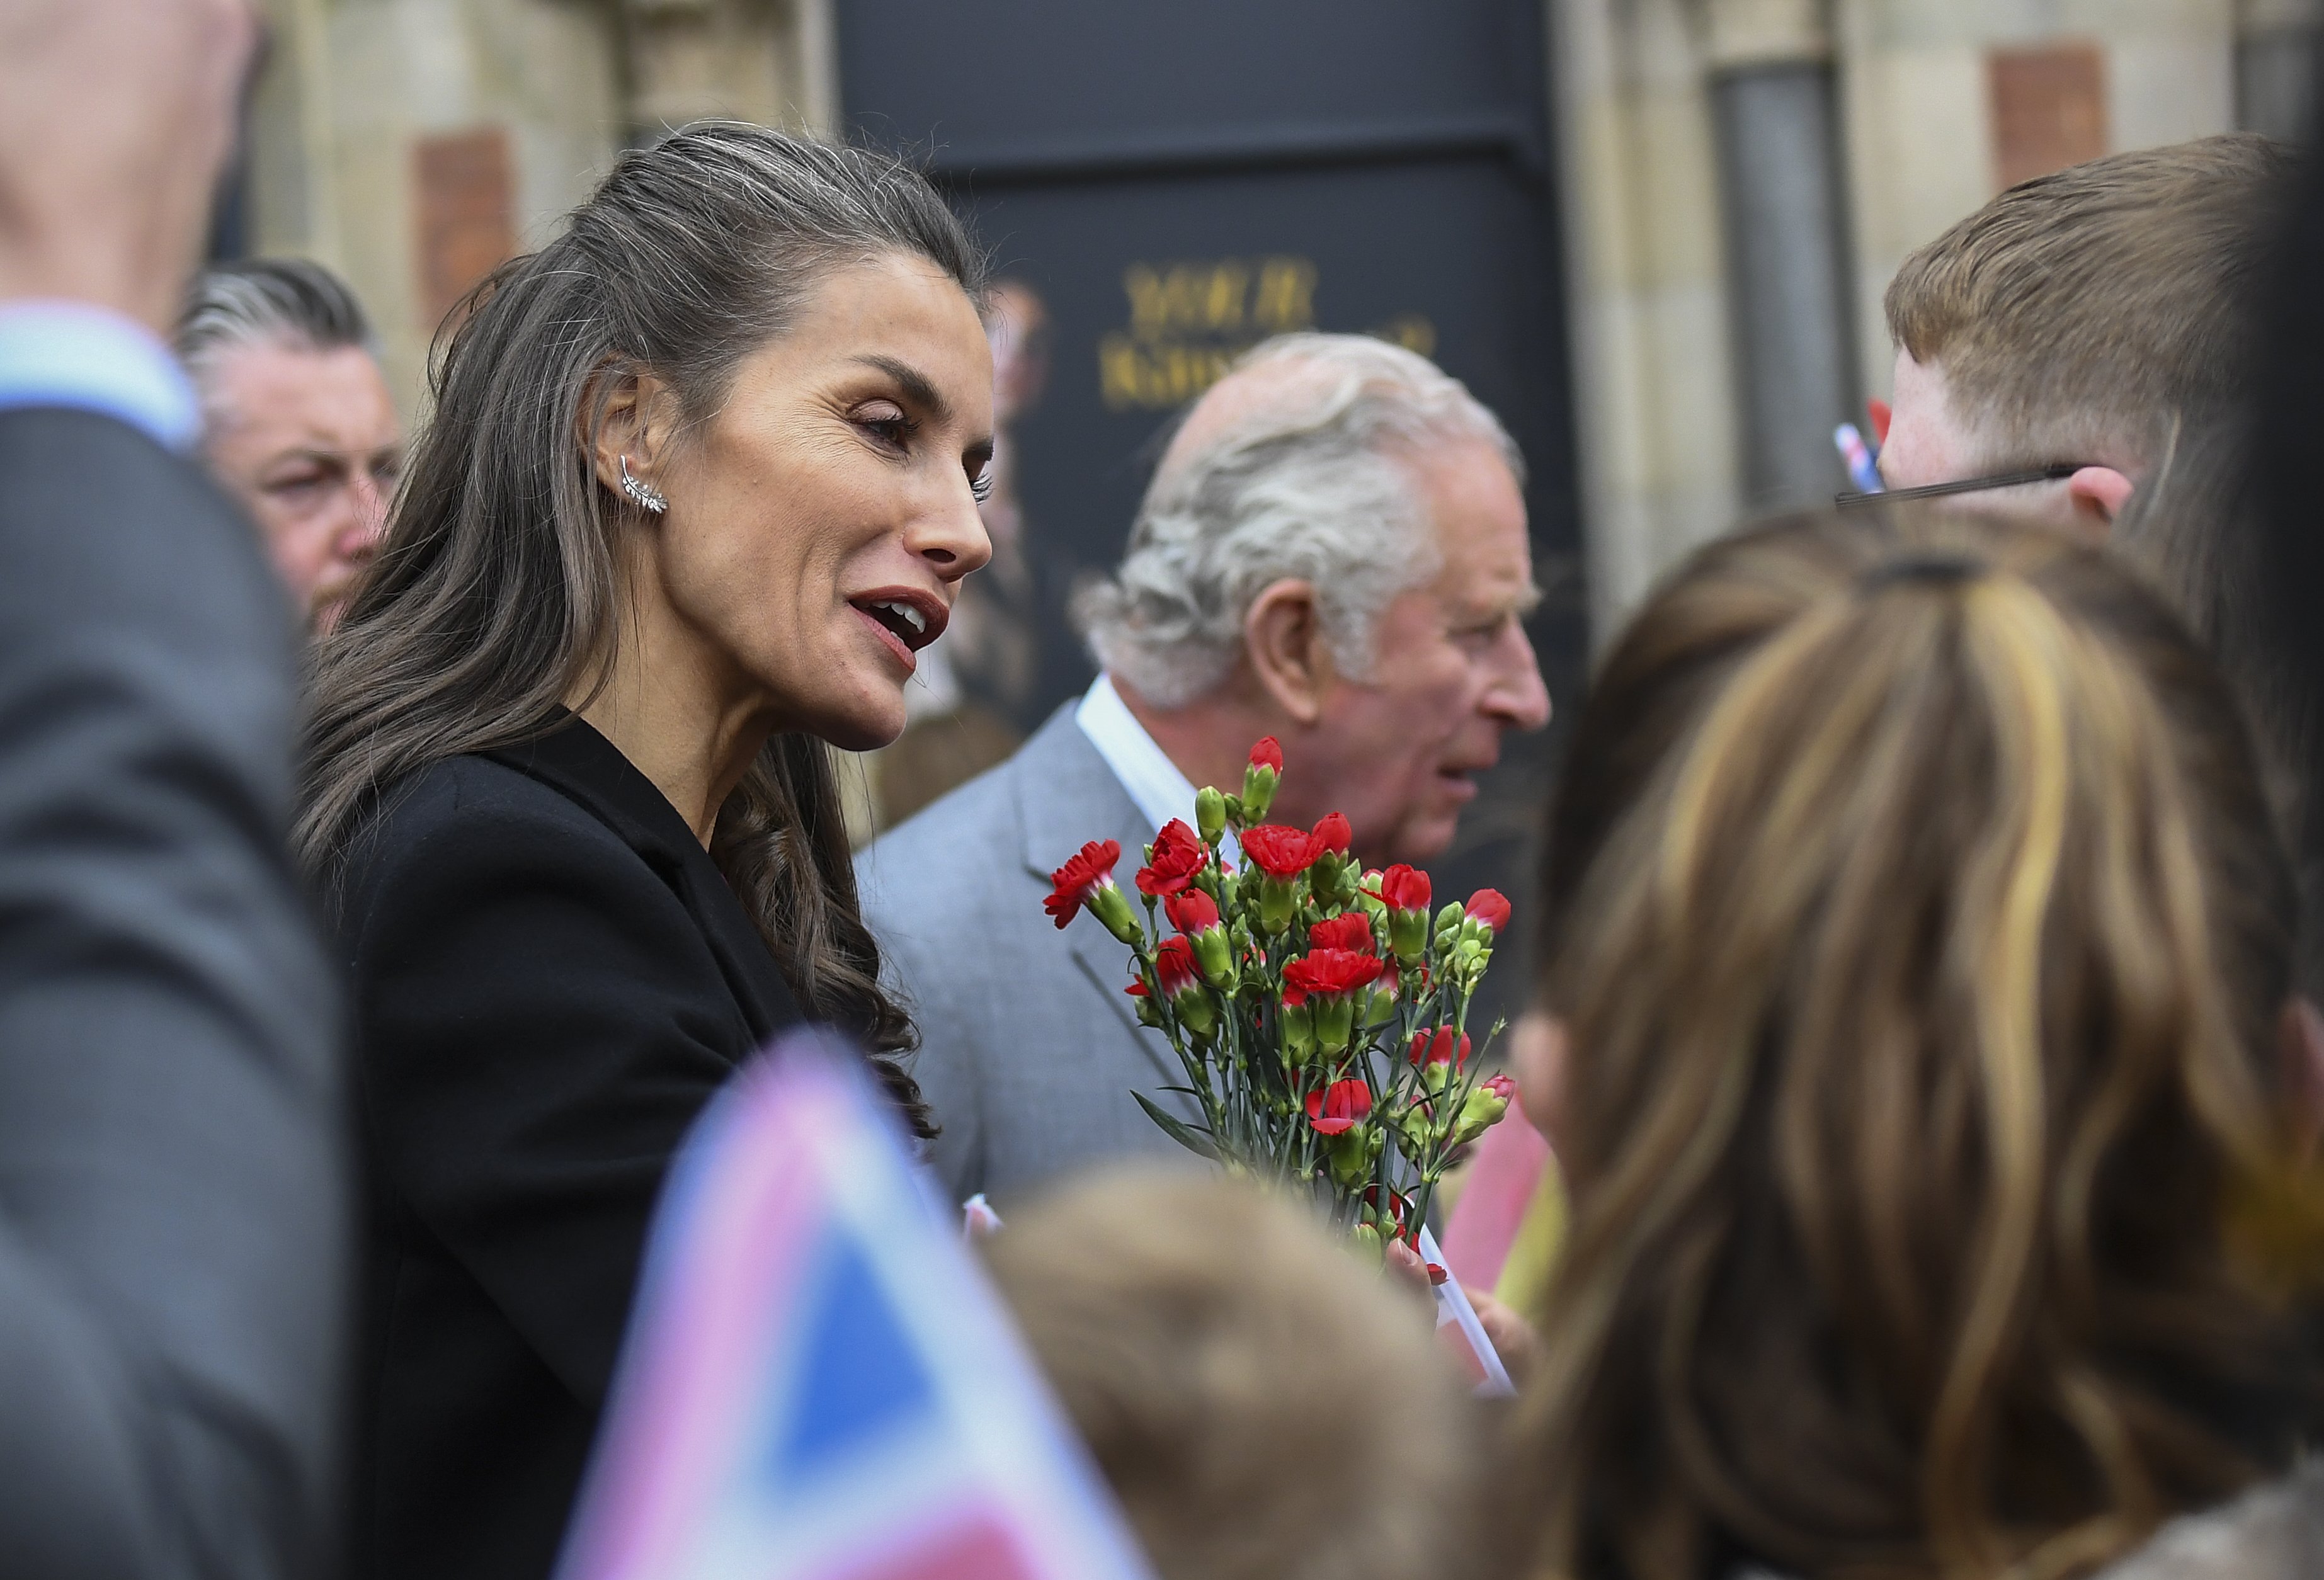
x,y
1153,782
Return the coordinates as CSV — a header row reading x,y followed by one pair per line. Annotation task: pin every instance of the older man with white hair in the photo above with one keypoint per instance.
x,y
1332,552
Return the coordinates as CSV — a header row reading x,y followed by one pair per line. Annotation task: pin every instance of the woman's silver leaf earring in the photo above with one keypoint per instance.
x,y
647,498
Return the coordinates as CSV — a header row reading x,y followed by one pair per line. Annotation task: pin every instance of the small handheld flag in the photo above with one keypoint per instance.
x,y
817,1383
1863,467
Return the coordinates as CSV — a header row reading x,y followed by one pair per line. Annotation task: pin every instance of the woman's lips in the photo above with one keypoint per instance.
x,y
890,640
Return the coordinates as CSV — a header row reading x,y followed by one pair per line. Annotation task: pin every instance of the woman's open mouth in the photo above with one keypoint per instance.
x,y
907,619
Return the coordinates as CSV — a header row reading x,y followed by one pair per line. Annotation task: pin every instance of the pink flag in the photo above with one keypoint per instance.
x,y
817,1383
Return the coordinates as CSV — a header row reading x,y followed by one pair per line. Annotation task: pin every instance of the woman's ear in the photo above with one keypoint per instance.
x,y
1283,635
2300,1049
639,416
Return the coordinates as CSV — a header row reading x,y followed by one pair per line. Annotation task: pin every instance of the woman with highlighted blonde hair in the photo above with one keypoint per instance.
x,y
1921,950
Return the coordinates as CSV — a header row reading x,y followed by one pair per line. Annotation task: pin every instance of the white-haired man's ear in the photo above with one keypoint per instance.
x,y
1283,641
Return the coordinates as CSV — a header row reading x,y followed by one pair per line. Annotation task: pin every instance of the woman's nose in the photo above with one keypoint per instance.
x,y
953,539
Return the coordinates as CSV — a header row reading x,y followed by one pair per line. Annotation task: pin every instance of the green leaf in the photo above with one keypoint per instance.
x,y
1179,1131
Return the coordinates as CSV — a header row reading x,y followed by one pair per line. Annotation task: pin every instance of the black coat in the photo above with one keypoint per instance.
x,y
175,1229
550,979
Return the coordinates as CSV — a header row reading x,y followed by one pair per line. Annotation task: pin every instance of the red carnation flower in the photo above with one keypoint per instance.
x,y
1404,888
1192,912
1339,1107
1178,855
1333,833
1081,877
1174,967
1500,1086
1439,1048
1268,754
1351,930
1490,906
1280,852
1331,971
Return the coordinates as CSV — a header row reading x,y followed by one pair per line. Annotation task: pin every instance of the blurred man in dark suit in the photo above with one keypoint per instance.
x,y
172,1184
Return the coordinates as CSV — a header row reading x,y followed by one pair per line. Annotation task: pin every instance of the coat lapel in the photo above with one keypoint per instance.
x,y
1066,795
579,763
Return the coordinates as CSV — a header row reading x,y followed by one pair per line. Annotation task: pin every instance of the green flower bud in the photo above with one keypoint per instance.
x,y
1259,783
1198,1012
1110,905
1278,903
1298,1023
1407,934
1209,815
1335,1018
1484,1109
1351,1154
1215,955
1417,1125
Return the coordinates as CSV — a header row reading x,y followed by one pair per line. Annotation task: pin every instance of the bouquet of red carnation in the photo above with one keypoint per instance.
x,y
1320,1012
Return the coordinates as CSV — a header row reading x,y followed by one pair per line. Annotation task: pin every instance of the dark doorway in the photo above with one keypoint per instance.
x,y
1167,181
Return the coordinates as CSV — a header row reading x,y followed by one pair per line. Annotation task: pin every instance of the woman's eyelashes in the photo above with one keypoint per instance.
x,y
891,427
893,431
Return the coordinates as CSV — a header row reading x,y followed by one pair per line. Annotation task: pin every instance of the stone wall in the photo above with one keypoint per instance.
x,y
1939,101
412,144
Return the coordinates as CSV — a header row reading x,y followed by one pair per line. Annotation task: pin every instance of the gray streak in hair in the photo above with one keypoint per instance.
x,y
286,301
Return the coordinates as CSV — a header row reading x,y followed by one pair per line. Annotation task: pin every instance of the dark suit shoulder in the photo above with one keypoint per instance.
x,y
469,821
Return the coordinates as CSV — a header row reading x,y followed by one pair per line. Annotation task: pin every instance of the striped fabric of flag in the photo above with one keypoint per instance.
x,y
818,1383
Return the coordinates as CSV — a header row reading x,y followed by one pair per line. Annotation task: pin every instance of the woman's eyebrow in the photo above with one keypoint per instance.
x,y
916,386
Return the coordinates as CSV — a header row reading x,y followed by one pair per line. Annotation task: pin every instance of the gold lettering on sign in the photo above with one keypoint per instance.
x,y
1189,321
1287,295
1412,331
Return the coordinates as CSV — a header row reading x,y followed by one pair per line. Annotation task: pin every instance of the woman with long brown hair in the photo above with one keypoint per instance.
x,y
699,484
1921,946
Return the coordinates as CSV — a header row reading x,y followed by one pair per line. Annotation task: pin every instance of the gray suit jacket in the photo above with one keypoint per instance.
x,y
174,1181
1029,1048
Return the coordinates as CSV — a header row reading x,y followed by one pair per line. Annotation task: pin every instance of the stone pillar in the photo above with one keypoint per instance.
x,y
290,156
1775,114
2276,61
759,61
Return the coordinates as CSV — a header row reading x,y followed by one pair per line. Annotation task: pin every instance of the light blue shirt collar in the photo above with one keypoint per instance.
x,y
1146,771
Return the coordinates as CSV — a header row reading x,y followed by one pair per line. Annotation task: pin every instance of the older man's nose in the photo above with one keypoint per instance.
x,y
1517,698
366,521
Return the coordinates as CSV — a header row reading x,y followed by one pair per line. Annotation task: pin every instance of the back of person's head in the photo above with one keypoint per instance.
x,y
1289,468
286,302
1922,939
1266,1407
2108,308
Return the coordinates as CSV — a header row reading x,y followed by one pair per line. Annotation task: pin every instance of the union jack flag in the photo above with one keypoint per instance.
x,y
817,1383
